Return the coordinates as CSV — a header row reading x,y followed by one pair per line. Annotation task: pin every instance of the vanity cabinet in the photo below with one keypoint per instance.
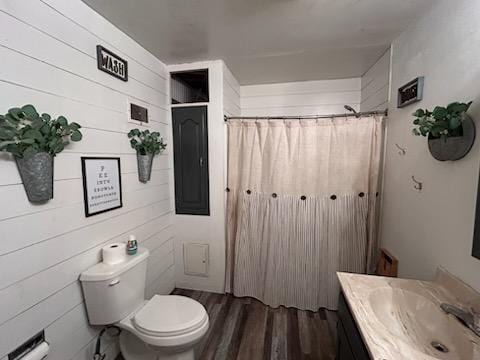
x,y
350,345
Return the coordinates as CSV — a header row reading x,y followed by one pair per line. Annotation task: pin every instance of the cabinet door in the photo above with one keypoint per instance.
x,y
351,333
343,347
190,143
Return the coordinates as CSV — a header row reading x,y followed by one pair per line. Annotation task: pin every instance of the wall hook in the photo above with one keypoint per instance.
x,y
402,150
418,184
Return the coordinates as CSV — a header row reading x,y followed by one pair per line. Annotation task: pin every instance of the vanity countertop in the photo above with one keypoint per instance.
x,y
400,318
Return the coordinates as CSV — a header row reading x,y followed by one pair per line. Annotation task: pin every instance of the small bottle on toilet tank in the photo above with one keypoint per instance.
x,y
132,245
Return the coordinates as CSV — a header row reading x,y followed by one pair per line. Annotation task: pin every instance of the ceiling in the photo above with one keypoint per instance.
x,y
267,41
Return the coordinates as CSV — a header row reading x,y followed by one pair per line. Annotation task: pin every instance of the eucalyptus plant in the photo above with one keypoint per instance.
x,y
146,142
442,122
24,132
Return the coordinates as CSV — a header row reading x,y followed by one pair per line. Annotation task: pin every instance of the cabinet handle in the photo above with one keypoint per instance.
x,y
201,161
114,282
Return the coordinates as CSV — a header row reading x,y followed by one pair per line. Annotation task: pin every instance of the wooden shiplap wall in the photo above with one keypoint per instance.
x,y
231,93
48,57
375,85
300,98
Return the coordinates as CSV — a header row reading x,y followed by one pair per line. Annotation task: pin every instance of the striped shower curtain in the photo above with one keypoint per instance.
x,y
301,205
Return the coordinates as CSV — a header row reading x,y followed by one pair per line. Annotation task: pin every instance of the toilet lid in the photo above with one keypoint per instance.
x,y
170,315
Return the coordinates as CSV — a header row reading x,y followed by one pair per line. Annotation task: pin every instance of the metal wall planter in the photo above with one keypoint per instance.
x,y
454,148
36,172
144,163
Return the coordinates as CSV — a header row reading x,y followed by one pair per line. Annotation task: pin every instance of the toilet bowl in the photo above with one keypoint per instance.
x,y
166,327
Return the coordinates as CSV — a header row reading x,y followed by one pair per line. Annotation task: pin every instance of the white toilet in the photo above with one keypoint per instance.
x,y
164,327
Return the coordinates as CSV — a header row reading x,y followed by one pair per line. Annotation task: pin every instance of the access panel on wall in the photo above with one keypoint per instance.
x,y
190,143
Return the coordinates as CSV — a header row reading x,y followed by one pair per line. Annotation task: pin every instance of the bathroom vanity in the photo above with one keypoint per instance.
x,y
389,318
350,345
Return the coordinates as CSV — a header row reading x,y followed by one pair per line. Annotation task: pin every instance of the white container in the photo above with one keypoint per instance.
x,y
113,291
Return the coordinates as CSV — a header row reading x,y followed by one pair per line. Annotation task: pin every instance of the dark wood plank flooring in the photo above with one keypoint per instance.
x,y
246,329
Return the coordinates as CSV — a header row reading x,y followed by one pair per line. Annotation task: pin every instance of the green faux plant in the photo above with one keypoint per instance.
x,y
442,122
24,132
146,142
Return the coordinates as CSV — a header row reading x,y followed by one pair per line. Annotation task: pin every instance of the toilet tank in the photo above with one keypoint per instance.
x,y
113,291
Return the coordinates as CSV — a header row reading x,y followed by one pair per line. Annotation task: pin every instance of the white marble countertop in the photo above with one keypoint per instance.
x,y
399,318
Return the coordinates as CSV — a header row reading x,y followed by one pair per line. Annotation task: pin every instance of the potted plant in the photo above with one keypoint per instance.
x,y
450,131
34,140
147,144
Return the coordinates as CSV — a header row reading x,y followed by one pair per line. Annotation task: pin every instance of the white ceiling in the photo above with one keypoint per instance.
x,y
266,41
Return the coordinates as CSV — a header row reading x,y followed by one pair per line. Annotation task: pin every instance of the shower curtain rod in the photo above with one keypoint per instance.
x,y
356,114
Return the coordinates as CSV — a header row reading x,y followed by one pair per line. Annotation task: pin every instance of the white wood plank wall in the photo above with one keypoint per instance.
x,y
300,98
48,57
375,85
231,93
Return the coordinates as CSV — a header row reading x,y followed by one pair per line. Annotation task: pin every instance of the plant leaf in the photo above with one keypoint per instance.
x,y
62,121
439,113
30,111
34,134
16,113
74,126
7,133
76,136
30,151
454,122
5,143
46,117
419,113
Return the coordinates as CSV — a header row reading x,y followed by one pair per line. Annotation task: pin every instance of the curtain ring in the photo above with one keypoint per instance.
x,y
303,197
362,194
333,197
249,192
274,195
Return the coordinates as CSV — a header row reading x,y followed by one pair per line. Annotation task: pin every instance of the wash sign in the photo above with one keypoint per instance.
x,y
112,64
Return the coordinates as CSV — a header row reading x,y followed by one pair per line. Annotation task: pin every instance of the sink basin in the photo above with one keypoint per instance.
x,y
420,323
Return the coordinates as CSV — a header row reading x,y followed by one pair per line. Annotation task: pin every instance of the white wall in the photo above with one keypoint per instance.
x,y
231,93
375,85
48,59
301,98
433,227
207,229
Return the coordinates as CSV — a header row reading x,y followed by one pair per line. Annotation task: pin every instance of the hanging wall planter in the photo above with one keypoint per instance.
x,y
147,144
34,140
450,131
144,163
453,147
36,172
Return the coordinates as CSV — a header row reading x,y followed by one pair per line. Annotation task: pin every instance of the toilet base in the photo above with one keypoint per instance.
x,y
133,348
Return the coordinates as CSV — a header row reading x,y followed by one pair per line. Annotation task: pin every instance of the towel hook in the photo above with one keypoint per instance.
x,y
418,184
402,150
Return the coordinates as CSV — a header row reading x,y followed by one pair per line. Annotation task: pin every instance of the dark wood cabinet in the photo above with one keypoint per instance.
x,y
350,345
190,146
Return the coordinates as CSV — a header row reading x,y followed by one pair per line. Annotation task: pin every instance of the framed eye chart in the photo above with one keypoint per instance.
x,y
102,184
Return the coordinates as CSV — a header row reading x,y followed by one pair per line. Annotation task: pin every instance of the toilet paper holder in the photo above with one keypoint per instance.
x,y
36,343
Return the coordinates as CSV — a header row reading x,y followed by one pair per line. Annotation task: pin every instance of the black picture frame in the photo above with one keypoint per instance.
x,y
100,66
138,113
84,160
411,92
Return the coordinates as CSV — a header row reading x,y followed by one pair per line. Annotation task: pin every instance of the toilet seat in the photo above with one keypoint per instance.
x,y
169,315
168,321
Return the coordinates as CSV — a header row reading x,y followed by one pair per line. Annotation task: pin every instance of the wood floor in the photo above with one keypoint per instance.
x,y
246,329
